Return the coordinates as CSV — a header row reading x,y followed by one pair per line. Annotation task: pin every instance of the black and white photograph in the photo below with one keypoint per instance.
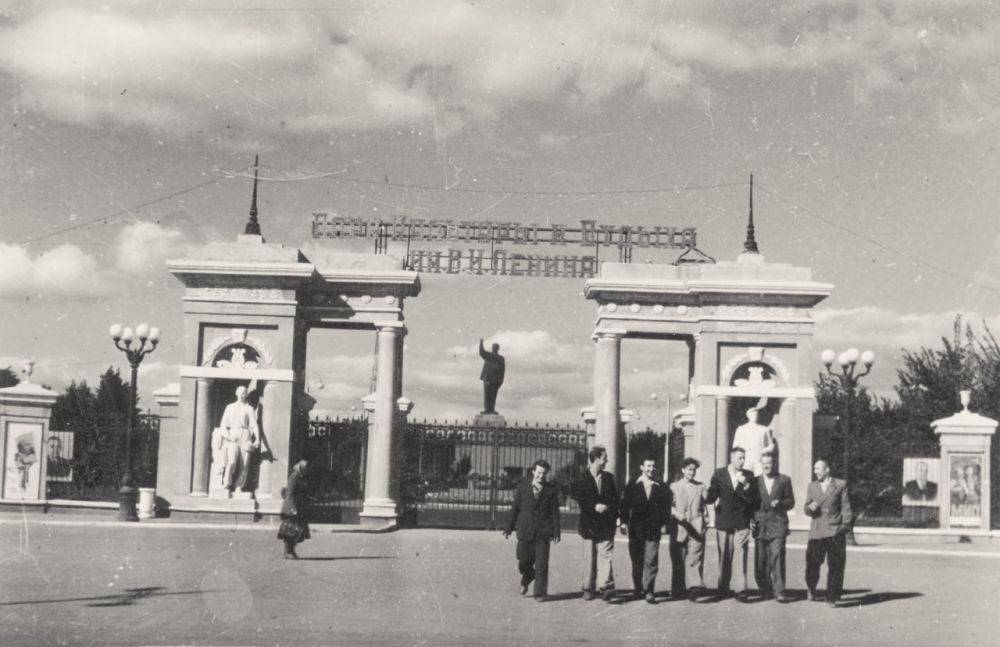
x,y
483,322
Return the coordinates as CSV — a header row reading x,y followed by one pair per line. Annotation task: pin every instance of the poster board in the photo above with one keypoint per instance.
x,y
921,481
22,460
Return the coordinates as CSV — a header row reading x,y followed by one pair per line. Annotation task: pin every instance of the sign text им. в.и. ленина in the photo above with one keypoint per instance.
x,y
588,233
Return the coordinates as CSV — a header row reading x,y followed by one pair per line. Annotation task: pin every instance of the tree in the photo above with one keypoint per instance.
x,y
8,378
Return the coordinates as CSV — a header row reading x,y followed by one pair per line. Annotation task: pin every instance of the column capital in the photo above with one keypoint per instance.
x,y
609,333
397,327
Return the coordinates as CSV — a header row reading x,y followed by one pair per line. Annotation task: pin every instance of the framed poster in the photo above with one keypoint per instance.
x,y
22,466
966,490
59,456
921,477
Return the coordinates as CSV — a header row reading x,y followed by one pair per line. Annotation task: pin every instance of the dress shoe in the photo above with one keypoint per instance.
x,y
588,595
650,598
540,598
607,595
693,594
743,596
782,598
832,603
813,597
524,589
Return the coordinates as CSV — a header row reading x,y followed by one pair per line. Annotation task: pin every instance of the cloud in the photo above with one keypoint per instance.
x,y
63,271
144,246
882,328
447,64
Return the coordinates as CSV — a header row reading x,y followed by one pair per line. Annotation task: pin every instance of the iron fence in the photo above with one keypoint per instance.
x,y
336,450
463,467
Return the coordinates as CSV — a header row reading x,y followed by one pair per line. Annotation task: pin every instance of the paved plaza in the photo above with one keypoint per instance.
x,y
70,582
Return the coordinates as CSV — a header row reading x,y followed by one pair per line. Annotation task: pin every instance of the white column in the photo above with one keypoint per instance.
x,y
268,423
202,438
722,431
379,507
607,394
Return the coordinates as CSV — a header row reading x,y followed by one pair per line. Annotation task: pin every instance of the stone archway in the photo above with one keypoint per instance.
x,y
247,309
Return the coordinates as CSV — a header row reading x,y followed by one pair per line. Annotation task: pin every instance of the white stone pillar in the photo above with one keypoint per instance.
x,y
25,410
268,422
202,438
722,445
607,394
965,458
380,508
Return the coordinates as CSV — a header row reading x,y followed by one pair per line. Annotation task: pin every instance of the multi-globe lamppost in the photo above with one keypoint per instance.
x,y
849,378
136,344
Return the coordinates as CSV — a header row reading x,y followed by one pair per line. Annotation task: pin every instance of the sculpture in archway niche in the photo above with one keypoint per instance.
x,y
240,441
492,375
756,439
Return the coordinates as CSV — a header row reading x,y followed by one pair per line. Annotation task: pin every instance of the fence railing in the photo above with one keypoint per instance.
x,y
461,466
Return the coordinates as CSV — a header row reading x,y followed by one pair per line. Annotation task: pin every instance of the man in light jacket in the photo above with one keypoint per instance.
x,y
829,506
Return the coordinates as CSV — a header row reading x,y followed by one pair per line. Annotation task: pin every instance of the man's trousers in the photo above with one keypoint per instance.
x,y
598,572
769,565
733,544
533,564
835,550
645,556
687,563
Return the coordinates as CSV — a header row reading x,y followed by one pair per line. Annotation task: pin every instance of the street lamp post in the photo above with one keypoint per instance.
x,y
136,344
849,379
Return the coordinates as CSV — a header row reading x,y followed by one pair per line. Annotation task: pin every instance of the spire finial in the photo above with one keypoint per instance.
x,y
253,227
750,244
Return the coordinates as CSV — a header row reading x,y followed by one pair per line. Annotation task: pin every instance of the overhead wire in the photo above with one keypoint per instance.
x,y
877,243
118,214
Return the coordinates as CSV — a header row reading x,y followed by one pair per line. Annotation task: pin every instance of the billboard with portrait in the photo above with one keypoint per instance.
x,y
921,479
22,466
59,456
966,491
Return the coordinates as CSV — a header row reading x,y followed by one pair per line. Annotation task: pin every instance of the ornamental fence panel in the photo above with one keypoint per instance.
x,y
464,467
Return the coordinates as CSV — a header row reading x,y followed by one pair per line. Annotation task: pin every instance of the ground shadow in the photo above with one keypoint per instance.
x,y
559,597
126,598
878,598
345,558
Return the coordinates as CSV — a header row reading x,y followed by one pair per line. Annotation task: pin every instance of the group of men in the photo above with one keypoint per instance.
x,y
747,506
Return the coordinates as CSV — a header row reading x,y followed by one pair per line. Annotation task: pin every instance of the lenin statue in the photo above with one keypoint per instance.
x,y
492,376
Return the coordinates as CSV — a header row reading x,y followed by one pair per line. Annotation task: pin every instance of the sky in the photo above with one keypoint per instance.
x,y
129,130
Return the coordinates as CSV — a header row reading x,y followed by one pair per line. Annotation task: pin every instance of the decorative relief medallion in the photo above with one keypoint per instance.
x,y
611,307
635,307
223,349
390,299
658,309
682,309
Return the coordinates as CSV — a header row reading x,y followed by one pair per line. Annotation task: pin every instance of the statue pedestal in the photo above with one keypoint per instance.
x,y
489,420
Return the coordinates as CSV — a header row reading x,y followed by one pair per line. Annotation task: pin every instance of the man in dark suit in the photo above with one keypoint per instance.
x,y
645,509
737,500
535,516
492,375
774,493
829,506
920,491
597,495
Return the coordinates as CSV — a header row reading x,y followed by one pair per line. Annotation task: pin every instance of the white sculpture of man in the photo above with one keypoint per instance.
x,y
218,457
755,439
239,428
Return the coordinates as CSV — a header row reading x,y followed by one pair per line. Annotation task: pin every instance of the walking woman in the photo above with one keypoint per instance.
x,y
294,528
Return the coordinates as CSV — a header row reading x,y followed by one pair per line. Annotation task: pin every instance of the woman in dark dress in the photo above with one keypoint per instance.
x,y
294,528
